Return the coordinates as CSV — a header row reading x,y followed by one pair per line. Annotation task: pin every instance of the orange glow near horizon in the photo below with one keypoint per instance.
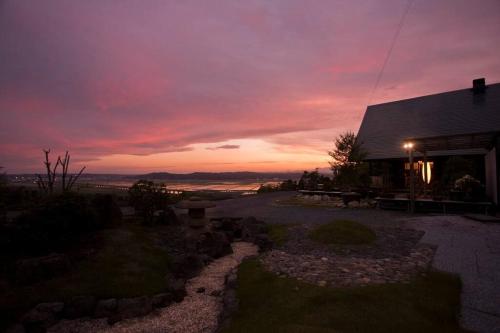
x,y
251,155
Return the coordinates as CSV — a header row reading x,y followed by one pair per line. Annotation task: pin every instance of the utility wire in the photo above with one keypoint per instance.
x,y
393,43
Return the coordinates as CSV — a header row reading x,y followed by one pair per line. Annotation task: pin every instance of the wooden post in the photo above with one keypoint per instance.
x,y
412,182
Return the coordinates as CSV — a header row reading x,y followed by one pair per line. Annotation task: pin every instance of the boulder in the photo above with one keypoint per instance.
x,y
231,280
40,268
187,265
251,227
130,308
177,288
263,241
18,328
42,317
105,308
80,306
353,204
230,302
166,216
162,300
214,244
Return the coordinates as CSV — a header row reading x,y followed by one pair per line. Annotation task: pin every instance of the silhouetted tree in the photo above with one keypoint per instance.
x,y
47,185
147,197
347,163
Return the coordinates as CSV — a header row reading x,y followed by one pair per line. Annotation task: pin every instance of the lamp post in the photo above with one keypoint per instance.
x,y
408,146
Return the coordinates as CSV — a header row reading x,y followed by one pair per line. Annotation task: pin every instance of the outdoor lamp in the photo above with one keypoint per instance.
x,y
409,147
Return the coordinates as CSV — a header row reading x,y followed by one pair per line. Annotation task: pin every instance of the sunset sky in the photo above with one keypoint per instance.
x,y
181,86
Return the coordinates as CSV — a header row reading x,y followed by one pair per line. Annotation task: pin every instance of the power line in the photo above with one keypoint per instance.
x,y
389,52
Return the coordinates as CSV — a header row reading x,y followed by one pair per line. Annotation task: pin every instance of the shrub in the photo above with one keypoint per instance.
x,y
343,232
148,197
52,225
107,210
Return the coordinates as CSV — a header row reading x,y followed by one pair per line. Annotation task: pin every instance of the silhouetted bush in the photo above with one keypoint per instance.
x,y
19,197
54,224
107,210
315,181
148,197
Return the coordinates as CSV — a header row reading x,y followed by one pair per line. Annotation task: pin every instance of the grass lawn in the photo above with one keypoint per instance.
x,y
272,304
343,232
278,233
130,263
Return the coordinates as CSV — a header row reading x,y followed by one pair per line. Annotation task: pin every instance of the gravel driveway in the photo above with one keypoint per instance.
x,y
263,206
472,250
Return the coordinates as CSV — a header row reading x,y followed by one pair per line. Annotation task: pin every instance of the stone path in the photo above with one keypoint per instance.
x,y
197,313
472,250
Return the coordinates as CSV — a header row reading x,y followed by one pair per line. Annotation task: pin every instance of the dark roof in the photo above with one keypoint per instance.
x,y
386,126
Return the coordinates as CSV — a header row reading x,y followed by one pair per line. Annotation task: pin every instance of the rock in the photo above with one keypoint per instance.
x,y
187,265
177,288
40,268
42,317
54,307
214,244
263,241
216,293
166,216
105,308
231,280
252,227
162,300
230,302
131,307
18,328
80,306
353,204
200,290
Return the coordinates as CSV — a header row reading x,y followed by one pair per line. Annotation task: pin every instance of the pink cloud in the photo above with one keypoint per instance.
x,y
103,78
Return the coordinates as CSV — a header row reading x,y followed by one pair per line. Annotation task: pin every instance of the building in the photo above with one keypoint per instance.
x,y
463,123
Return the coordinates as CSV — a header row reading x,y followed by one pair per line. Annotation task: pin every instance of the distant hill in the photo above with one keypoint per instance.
x,y
219,176
165,176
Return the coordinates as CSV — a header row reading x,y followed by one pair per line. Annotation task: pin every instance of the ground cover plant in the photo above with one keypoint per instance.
x,y
128,260
343,232
278,233
269,303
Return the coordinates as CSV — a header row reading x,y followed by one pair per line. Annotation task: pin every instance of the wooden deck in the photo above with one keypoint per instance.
x,y
433,206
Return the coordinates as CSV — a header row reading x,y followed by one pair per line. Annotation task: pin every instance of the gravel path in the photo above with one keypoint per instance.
x,y
472,250
197,313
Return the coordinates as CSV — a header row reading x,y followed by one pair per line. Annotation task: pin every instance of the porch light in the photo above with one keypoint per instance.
x,y
408,145
427,172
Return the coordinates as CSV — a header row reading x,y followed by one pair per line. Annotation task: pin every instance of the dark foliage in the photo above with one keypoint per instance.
x,y
456,167
19,197
287,185
148,197
107,210
57,222
315,181
347,162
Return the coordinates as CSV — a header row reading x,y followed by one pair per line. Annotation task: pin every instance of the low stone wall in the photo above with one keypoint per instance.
x,y
44,315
